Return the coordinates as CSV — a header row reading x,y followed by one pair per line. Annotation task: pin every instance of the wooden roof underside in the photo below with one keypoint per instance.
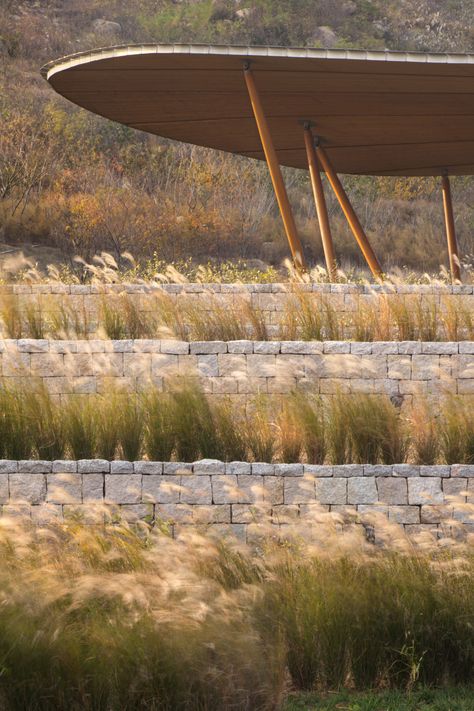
x,y
377,113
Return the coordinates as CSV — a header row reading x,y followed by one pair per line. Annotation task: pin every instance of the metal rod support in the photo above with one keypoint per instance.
x,y
451,230
350,214
275,171
321,207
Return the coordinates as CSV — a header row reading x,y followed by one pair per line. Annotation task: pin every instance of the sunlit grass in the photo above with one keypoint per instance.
x,y
185,424
123,616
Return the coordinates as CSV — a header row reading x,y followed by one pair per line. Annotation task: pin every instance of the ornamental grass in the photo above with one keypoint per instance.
x,y
206,317
184,424
124,616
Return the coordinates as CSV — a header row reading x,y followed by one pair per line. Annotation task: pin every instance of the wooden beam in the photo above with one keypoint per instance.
x,y
275,171
321,207
451,231
350,214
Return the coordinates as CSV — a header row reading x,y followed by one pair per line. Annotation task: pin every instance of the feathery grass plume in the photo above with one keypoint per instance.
x,y
81,415
339,442
291,437
424,433
130,418
16,434
46,421
158,433
384,629
120,618
260,432
11,315
230,431
309,414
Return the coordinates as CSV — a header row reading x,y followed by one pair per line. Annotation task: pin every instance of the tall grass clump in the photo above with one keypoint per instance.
x,y
230,427
158,430
425,436
184,424
124,617
290,435
10,313
260,430
193,423
17,436
456,426
81,418
338,437
130,418
46,424
366,429
119,618
403,620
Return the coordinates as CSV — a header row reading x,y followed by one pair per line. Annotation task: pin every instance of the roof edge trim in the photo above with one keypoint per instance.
x,y
74,60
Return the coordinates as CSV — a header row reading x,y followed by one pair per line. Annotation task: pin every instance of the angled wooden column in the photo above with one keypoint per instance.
x,y
321,207
451,230
350,214
275,171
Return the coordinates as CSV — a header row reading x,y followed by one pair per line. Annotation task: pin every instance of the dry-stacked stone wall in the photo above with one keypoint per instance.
x,y
270,299
231,496
243,368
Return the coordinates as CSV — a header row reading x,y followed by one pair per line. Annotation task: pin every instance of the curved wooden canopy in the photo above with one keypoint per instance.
x,y
377,113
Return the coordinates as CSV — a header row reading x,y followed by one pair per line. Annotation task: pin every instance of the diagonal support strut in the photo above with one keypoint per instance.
x,y
321,207
350,214
451,230
275,171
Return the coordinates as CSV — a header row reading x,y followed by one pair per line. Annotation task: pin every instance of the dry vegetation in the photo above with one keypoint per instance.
x,y
184,425
72,180
126,617
306,316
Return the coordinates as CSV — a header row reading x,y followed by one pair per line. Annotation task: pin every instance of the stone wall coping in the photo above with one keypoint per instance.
x,y
195,288
235,494
298,347
212,467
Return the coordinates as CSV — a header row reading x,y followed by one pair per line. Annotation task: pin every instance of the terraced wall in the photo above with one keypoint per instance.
x,y
243,368
231,496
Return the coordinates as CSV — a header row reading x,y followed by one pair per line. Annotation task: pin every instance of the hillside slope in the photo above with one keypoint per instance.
x,y
71,180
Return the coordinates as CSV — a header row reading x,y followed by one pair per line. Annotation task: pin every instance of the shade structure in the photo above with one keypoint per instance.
x,y
376,113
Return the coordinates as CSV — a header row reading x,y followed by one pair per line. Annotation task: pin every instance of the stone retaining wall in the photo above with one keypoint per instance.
x,y
242,368
231,496
270,299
